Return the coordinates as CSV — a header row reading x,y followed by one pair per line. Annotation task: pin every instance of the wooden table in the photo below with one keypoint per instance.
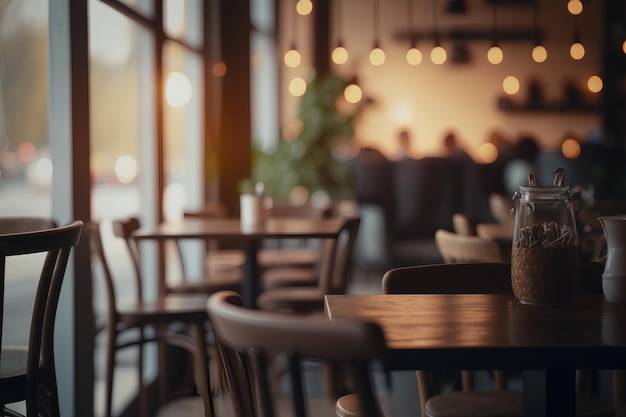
x,y
231,229
479,331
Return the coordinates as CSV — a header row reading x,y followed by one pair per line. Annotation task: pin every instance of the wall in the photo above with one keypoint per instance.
x,y
430,99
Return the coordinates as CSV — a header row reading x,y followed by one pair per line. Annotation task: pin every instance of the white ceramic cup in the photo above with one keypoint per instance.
x,y
251,208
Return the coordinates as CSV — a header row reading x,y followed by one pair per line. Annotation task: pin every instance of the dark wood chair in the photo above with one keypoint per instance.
x,y
333,277
29,374
152,319
479,278
455,247
248,340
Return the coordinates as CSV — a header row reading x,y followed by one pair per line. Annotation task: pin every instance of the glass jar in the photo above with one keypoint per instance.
x,y
545,256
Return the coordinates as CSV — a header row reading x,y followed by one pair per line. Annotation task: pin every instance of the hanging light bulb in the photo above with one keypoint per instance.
x,y
304,7
377,55
413,55
539,52
339,55
576,50
292,57
495,54
575,7
438,54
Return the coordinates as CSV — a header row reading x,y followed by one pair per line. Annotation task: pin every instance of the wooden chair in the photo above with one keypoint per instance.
x,y
478,278
207,284
249,339
29,374
333,277
156,316
463,224
455,248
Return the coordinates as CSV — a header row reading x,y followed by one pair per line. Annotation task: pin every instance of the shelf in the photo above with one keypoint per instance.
x,y
507,105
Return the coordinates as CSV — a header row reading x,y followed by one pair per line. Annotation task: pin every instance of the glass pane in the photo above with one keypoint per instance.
x,y
183,20
183,130
144,7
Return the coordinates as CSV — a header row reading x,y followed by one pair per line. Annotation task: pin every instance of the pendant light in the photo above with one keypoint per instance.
x,y
539,53
577,49
438,54
494,54
339,55
413,55
377,55
292,57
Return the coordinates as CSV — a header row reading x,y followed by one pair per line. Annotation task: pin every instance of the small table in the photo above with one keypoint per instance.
x,y
495,331
231,229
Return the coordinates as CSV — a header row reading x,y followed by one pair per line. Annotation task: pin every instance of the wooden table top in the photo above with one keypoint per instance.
x,y
215,228
488,331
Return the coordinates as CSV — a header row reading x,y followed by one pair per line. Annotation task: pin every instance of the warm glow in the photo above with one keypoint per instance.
x,y
495,55
438,55
353,93
125,169
297,87
377,56
292,130
570,148
488,153
414,56
340,55
540,54
219,69
624,47
577,51
178,90
174,201
298,195
292,58
304,7
575,7
26,152
510,85
595,84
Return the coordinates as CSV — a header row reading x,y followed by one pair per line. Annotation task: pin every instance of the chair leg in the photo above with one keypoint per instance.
x,y
202,368
110,365
142,397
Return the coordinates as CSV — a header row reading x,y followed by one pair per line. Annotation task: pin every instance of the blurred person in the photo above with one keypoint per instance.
x,y
451,147
522,162
404,145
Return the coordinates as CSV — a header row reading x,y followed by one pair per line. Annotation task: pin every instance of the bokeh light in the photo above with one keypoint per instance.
x,y
292,58
575,7
298,195
495,55
297,87
540,54
510,85
340,55
292,130
438,55
219,69
577,51
178,89
26,152
304,7
125,169
488,152
39,173
414,56
377,56
570,148
595,84
353,93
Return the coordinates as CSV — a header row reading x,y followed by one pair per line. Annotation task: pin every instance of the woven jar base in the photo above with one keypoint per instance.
x,y
545,275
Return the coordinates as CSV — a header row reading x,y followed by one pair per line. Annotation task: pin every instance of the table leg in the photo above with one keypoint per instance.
x,y
550,393
250,278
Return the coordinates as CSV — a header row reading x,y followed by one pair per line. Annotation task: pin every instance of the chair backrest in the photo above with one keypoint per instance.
x,y
248,339
464,224
454,248
56,242
500,206
98,256
338,252
125,229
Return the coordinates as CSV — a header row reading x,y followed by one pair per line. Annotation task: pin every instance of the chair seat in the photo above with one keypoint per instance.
x,y
500,403
167,310
217,280
13,373
348,406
